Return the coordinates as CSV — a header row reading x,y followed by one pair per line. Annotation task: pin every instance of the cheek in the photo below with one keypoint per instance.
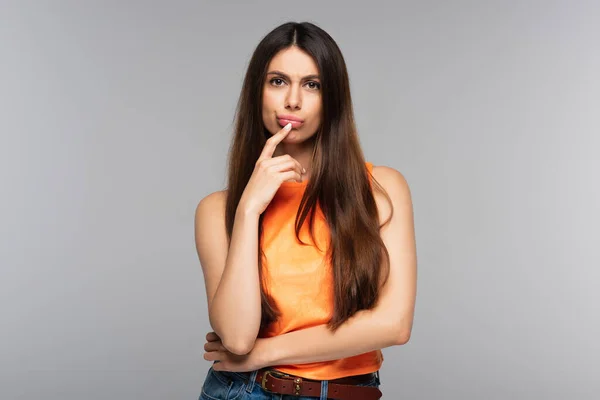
x,y
315,109
269,106
269,100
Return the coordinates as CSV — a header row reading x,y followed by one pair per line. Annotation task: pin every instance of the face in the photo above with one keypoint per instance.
x,y
292,93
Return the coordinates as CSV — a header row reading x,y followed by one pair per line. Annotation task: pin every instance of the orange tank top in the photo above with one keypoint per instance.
x,y
301,282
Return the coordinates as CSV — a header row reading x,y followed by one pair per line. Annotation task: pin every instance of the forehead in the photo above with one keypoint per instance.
x,y
294,62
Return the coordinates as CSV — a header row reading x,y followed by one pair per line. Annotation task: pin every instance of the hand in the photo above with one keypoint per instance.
x,y
269,172
214,350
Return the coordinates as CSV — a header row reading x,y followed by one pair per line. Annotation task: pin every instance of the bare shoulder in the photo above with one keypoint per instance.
x,y
209,221
388,176
212,203
395,185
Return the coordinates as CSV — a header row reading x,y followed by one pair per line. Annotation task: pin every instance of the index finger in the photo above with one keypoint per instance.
x,y
273,141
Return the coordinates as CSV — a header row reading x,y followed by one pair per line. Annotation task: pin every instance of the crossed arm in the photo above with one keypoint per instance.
x,y
389,324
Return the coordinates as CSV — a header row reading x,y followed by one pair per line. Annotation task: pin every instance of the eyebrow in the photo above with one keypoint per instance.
x,y
313,76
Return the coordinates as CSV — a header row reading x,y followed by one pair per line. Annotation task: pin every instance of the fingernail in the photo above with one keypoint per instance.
x,y
288,126
303,170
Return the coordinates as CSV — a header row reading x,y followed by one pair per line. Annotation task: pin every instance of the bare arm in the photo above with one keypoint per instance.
x,y
365,331
230,274
231,270
388,324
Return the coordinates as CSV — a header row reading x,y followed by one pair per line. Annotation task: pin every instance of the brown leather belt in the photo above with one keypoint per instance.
x,y
340,389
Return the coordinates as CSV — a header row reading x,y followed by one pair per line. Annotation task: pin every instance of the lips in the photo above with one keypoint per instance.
x,y
296,122
290,117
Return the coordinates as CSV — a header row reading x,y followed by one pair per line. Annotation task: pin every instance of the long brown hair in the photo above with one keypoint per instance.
x,y
339,179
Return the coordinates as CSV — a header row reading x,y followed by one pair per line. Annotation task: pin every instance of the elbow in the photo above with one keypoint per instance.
x,y
235,341
402,337
397,330
401,333
238,346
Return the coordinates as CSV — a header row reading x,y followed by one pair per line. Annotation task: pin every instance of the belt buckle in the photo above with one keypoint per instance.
x,y
263,383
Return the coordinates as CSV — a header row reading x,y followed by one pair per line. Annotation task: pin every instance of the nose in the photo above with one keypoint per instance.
x,y
293,98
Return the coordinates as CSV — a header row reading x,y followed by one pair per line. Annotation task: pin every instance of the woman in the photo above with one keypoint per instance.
x,y
335,281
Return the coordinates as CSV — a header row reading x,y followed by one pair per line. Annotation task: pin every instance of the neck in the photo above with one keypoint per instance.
x,y
302,152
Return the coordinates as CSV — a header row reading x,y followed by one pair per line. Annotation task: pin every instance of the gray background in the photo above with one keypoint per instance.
x,y
115,119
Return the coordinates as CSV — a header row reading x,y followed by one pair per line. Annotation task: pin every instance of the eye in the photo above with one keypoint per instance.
x,y
274,80
316,85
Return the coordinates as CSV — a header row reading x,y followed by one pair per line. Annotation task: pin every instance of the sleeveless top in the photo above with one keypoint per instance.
x,y
300,282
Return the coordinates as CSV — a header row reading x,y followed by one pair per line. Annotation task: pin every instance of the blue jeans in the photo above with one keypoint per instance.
x,y
225,385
